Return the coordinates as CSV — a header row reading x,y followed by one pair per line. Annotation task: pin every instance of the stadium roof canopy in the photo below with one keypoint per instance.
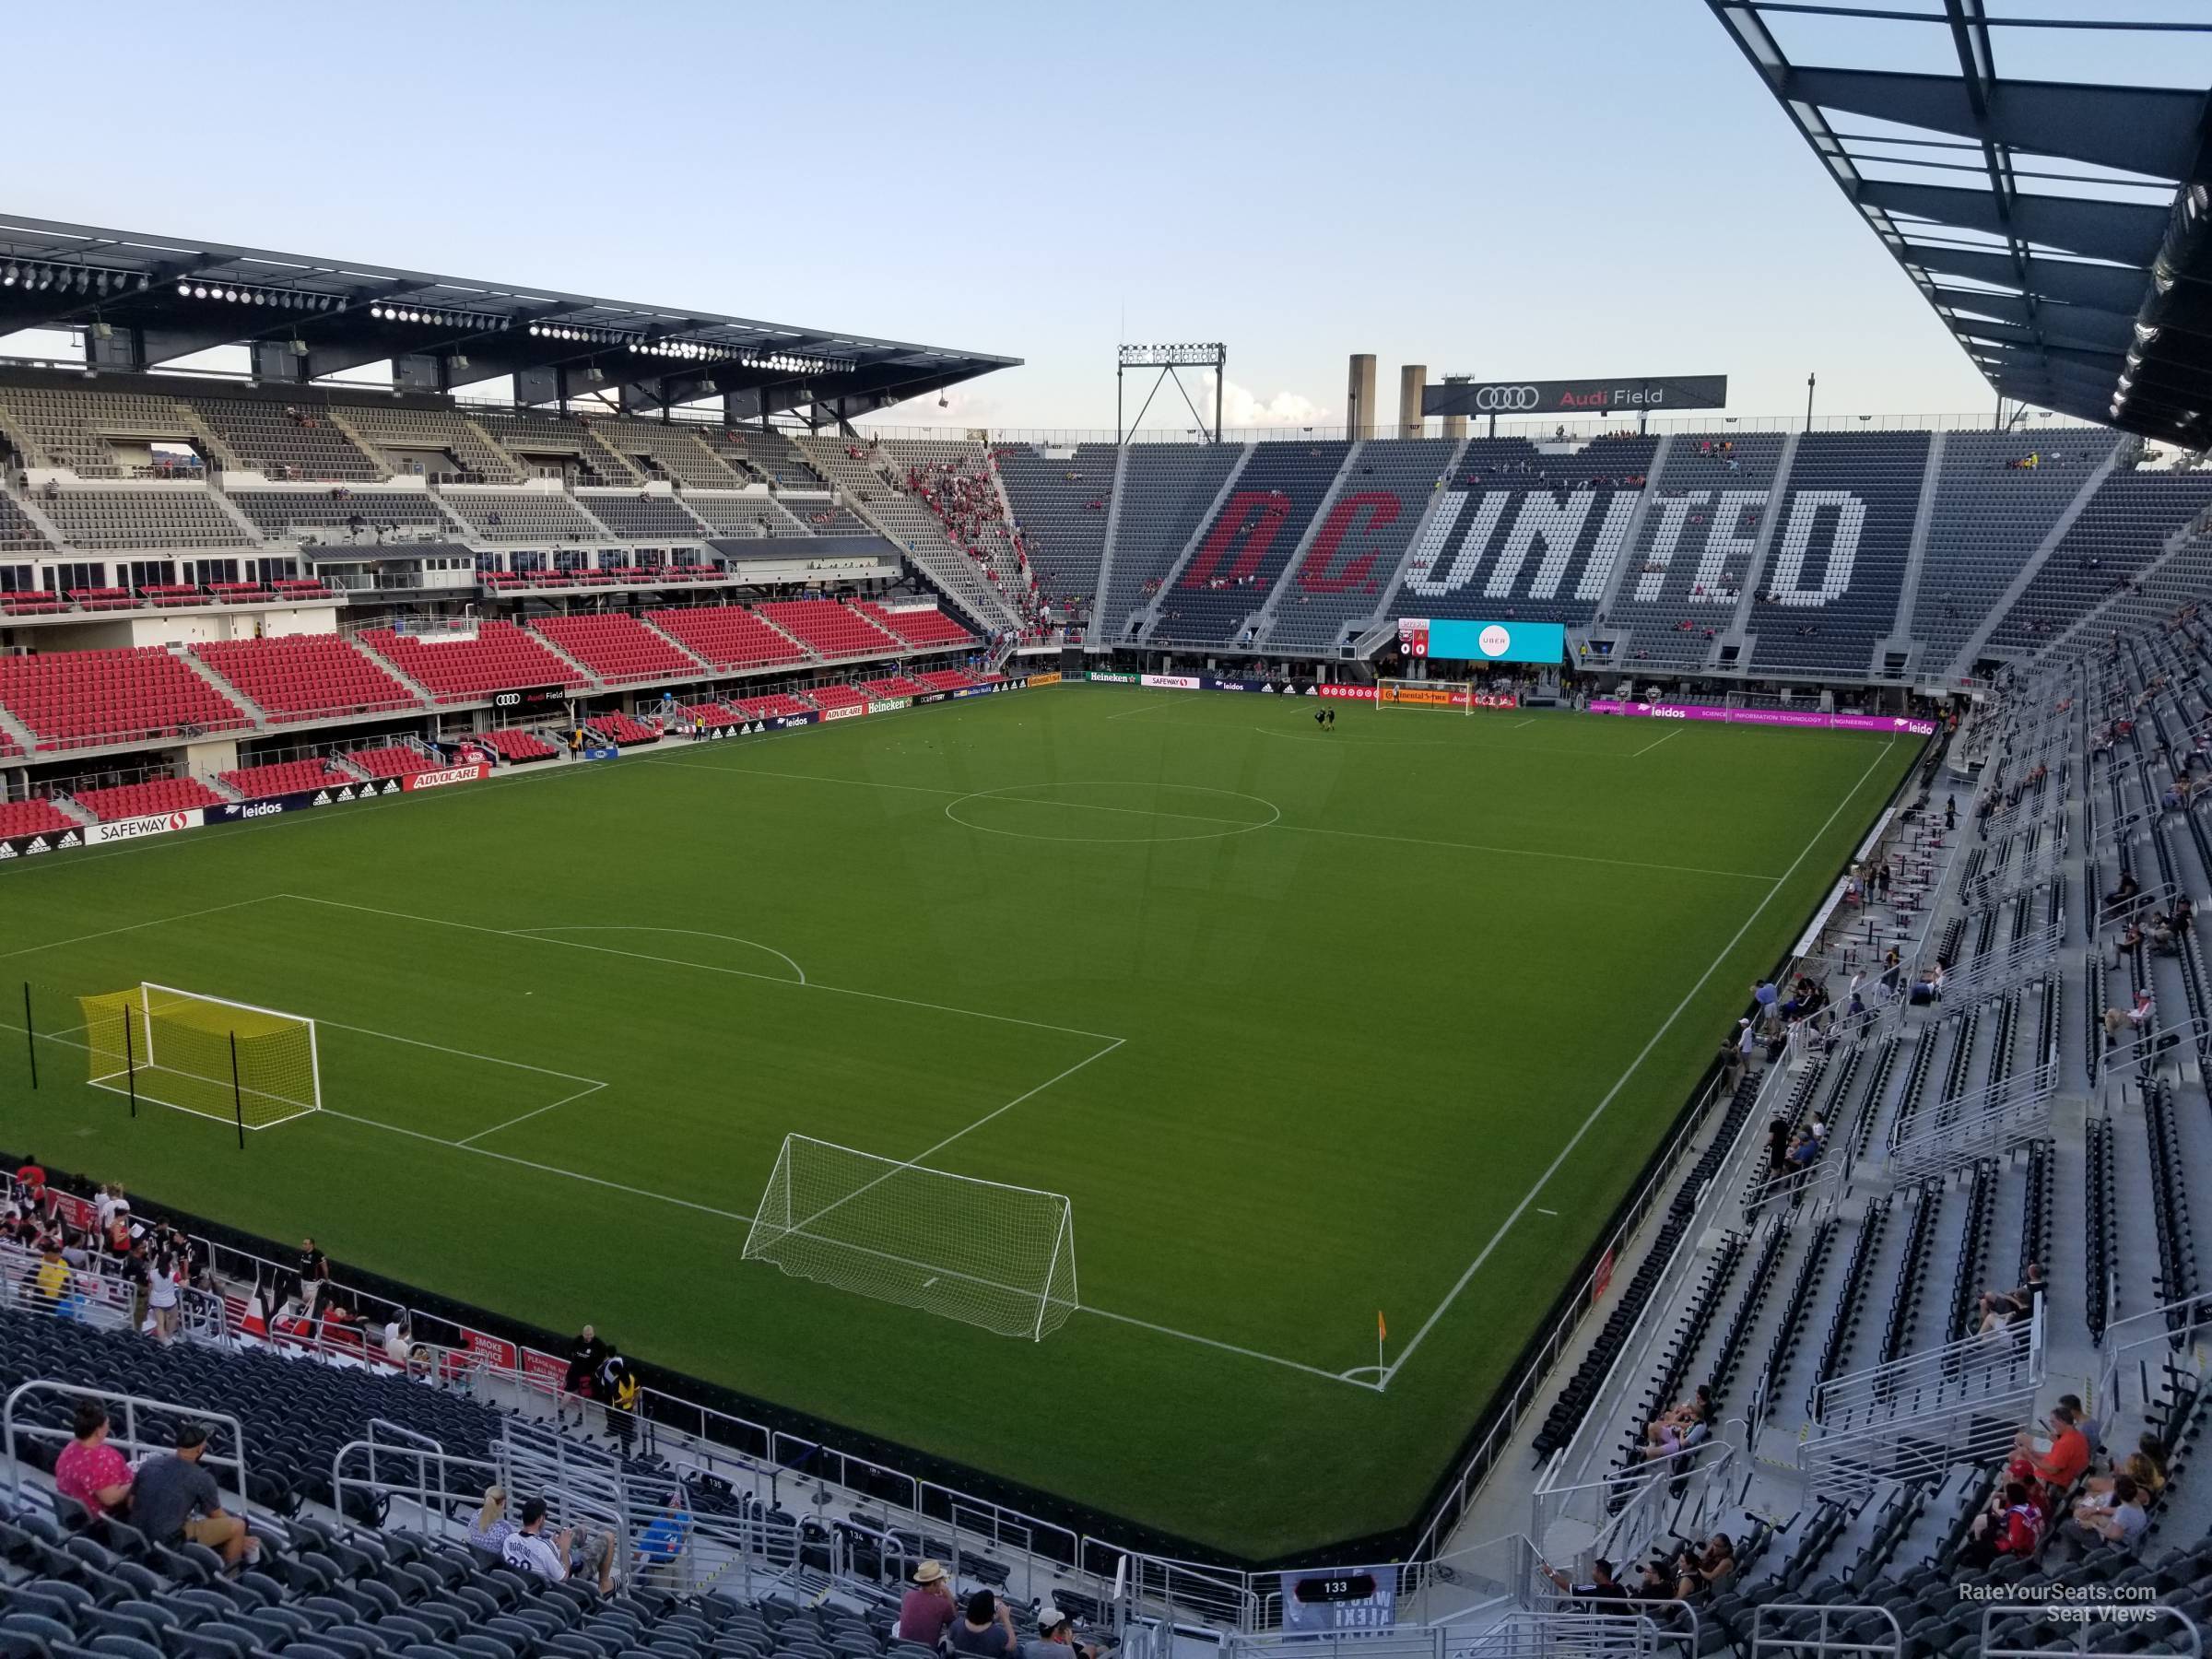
x,y
144,301
2061,228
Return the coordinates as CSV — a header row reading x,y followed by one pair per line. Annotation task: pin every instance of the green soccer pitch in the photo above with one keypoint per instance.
x,y
1307,1026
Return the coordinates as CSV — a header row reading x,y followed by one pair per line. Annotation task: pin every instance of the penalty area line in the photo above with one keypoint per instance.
x,y
1351,1378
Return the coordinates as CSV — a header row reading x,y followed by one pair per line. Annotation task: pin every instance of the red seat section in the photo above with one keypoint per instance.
x,y
143,800
827,698
33,817
947,679
501,657
396,762
713,715
897,685
728,636
828,628
622,731
304,676
285,777
925,626
769,707
75,698
514,744
619,648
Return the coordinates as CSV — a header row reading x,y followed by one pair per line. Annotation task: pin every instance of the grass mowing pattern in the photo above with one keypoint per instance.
x,y
1302,1022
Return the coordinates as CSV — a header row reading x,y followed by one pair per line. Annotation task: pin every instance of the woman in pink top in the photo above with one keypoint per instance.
x,y
91,1470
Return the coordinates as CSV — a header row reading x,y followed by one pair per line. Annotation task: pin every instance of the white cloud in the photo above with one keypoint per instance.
x,y
1241,407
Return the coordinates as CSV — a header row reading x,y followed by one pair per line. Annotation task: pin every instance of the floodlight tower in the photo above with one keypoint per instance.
x,y
1211,354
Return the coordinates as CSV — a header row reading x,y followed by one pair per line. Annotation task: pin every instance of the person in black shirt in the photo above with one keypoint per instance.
x,y
315,1274
586,1355
1602,1585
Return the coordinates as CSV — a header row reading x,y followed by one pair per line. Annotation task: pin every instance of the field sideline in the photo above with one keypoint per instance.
x,y
1308,1026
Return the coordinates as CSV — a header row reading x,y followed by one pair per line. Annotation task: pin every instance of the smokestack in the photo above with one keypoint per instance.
x,y
1360,396
1411,378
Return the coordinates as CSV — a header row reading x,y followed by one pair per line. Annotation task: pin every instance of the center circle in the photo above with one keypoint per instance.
x,y
1111,812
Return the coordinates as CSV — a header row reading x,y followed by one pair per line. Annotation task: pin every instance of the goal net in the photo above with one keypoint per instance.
x,y
221,1059
1003,1258
1451,696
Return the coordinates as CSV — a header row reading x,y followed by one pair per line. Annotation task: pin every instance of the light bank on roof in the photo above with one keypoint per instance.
x,y
143,301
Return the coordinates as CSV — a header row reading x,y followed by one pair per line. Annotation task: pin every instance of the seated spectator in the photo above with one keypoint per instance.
x,y
2001,1308
928,1607
175,1498
2064,1460
2113,1517
1698,1573
1601,1586
2146,1466
2129,887
2130,1019
492,1528
90,1470
1055,1638
2131,939
529,1549
985,1629
1682,1415
661,1544
2011,1525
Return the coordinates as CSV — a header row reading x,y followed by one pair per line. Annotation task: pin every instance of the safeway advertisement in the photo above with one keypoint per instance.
x,y
138,829
452,774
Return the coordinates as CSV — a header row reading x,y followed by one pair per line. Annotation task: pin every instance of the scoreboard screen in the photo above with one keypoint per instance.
x,y
1482,641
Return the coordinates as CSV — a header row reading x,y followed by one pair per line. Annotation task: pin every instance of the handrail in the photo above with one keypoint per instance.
x,y
129,1438
1821,1643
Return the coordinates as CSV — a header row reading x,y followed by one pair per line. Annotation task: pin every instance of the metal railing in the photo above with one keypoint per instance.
x,y
1827,1636
1989,1120
127,1436
1913,1418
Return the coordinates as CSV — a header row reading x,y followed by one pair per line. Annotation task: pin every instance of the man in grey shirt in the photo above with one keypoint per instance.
x,y
174,1497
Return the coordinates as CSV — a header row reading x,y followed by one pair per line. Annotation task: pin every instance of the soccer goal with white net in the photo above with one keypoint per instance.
x,y
206,1054
990,1254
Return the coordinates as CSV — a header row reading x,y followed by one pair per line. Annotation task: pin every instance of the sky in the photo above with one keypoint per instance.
x,y
1539,189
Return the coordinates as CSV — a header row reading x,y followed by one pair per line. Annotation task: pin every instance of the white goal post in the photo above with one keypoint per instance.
x,y
206,1054
987,1253
1450,696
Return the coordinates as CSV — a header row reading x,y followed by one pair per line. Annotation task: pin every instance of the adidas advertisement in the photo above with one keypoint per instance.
x,y
30,846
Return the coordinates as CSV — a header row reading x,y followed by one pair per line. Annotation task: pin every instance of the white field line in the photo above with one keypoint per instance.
x,y
469,1140
1648,747
746,1220
915,1163
1411,840
694,933
133,926
766,978
1172,699
1598,1110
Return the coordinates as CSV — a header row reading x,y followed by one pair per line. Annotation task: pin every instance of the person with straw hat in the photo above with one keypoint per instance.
x,y
929,1608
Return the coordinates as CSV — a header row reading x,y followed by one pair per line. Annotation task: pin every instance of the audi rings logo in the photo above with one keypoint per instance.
x,y
1503,400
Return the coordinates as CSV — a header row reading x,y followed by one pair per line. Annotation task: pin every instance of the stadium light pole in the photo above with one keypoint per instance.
x,y
1808,399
